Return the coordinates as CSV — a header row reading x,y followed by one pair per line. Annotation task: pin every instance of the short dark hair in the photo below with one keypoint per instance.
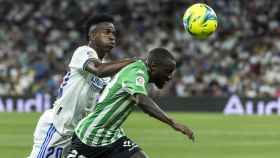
x,y
159,56
96,19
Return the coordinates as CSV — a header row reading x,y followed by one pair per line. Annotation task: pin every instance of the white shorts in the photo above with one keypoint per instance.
x,y
48,143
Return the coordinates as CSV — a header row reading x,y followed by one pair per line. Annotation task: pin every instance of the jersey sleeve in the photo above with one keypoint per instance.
x,y
81,56
135,81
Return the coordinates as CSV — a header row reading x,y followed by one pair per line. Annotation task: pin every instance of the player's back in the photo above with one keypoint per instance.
x,y
77,93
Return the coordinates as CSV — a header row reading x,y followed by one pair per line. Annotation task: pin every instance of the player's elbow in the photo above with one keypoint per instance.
x,y
96,68
100,73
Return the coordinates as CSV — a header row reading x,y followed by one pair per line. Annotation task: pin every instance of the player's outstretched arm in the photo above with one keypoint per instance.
x,y
151,108
106,69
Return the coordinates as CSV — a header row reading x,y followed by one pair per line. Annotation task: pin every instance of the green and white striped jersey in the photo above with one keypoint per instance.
x,y
102,127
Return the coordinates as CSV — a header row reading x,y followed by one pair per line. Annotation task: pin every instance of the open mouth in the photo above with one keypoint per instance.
x,y
111,45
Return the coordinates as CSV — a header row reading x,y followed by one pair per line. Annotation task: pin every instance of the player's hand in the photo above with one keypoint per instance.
x,y
137,58
184,129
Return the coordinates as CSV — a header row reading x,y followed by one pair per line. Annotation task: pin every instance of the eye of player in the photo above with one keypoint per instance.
x,y
109,31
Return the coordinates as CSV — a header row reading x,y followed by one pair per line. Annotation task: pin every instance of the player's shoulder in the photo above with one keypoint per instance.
x,y
85,49
139,64
139,67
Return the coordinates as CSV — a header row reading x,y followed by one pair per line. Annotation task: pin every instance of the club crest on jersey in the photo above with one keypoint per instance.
x,y
90,54
140,81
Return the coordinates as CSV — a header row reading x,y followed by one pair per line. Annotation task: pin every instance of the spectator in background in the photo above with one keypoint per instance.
x,y
242,57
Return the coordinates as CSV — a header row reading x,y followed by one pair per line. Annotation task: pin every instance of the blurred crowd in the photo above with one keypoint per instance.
x,y
37,39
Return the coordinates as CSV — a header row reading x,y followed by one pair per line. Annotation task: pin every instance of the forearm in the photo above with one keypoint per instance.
x,y
152,109
122,61
107,69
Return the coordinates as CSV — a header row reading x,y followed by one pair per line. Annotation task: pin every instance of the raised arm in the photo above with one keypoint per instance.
x,y
152,109
106,69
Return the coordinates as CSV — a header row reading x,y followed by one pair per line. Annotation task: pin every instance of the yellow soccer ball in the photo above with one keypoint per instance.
x,y
200,20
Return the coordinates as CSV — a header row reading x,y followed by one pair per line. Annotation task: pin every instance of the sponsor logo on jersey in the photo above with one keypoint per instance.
x,y
97,82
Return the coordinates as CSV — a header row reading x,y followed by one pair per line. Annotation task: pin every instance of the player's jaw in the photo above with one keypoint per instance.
x,y
163,74
108,43
160,78
161,81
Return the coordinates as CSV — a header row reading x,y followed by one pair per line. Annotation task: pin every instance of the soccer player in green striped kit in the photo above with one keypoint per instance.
x,y
99,135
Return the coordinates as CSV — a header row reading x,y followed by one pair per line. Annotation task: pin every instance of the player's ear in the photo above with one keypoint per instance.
x,y
153,67
91,35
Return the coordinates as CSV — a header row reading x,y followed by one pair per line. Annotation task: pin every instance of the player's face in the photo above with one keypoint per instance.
x,y
162,74
105,36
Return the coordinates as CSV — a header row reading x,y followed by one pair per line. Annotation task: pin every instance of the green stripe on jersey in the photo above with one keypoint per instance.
x,y
102,127
98,118
96,134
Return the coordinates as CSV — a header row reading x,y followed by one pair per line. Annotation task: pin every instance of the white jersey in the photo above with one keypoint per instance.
x,y
77,93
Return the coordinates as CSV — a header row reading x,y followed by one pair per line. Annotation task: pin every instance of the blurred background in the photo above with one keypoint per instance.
x,y
236,69
38,39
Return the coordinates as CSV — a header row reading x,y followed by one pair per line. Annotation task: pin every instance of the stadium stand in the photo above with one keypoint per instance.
x,y
243,57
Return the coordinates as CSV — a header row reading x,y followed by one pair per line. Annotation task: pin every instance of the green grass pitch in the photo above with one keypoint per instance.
x,y
217,136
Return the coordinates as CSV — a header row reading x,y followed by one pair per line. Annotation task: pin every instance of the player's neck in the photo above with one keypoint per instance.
x,y
99,52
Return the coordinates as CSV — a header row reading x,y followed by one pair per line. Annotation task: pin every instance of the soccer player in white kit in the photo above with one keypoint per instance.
x,y
78,91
